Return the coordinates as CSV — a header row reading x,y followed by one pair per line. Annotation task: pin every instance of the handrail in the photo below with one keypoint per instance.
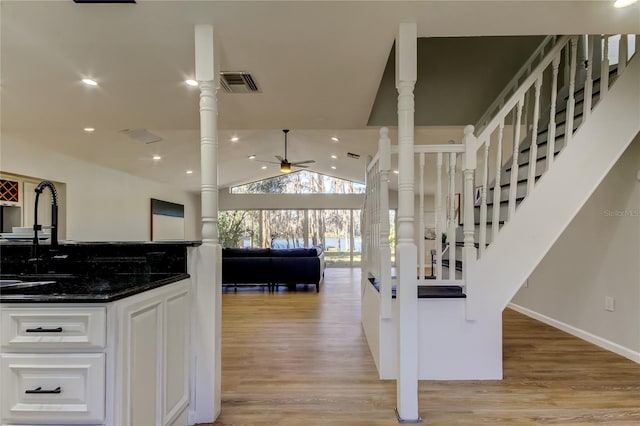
x,y
513,100
433,149
373,161
514,81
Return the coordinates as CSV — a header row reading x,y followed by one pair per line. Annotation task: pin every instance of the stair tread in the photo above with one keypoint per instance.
x,y
429,291
440,292
502,202
504,185
476,245
445,264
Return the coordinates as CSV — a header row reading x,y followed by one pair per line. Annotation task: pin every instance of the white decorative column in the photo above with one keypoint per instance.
x,y
406,250
205,264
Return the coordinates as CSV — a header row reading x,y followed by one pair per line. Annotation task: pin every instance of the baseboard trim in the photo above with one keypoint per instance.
x,y
584,335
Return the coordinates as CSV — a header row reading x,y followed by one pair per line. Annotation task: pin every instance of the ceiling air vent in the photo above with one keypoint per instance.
x,y
141,135
238,82
352,155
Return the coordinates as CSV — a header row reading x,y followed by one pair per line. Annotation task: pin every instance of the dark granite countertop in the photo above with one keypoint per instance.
x,y
70,288
89,271
105,243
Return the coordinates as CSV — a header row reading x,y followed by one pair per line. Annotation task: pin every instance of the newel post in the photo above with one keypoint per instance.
x,y
205,262
406,249
469,255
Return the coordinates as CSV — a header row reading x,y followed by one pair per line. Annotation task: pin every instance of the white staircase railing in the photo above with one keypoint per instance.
x,y
376,251
544,103
560,103
448,175
513,85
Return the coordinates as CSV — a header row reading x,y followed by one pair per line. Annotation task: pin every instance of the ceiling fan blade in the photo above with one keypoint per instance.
x,y
280,158
298,163
265,161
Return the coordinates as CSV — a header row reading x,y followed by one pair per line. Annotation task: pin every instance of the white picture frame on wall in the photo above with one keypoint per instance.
x,y
167,221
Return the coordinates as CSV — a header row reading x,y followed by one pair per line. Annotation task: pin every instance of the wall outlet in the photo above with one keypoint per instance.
x,y
609,303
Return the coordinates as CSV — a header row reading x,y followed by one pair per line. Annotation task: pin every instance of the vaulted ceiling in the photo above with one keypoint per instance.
x,y
319,65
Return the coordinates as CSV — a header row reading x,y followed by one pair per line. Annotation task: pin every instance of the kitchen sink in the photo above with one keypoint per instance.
x,y
36,277
18,284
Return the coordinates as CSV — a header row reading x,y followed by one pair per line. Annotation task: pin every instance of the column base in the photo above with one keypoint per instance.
x,y
406,421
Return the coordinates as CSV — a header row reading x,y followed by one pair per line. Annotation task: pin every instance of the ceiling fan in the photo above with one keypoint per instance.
x,y
285,164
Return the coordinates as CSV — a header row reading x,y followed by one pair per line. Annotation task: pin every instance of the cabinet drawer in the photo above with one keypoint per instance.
x,y
47,328
53,388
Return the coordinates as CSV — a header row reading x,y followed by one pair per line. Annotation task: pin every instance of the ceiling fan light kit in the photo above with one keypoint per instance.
x,y
285,167
285,164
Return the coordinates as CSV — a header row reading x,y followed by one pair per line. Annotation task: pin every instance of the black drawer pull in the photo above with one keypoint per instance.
x,y
44,330
40,390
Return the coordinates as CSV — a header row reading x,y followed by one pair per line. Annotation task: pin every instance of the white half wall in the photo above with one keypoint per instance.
x,y
446,340
596,257
102,204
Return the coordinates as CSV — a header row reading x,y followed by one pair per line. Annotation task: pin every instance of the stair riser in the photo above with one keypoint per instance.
x,y
523,171
504,209
504,193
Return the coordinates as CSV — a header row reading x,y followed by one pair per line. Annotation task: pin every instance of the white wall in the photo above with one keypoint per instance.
x,y
102,204
598,255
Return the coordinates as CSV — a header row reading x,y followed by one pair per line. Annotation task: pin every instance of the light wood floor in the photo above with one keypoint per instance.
x,y
300,358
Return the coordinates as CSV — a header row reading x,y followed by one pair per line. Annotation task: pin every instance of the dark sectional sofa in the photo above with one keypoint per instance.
x,y
273,266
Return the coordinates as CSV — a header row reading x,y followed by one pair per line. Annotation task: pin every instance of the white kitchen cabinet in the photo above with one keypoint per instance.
x,y
154,358
118,364
52,327
42,387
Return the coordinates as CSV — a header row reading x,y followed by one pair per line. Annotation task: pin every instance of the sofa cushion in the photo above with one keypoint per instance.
x,y
301,270
294,252
238,270
245,252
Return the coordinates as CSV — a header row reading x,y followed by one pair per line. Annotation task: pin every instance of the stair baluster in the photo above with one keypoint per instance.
x,y
588,85
514,165
533,151
384,148
497,189
453,216
623,50
421,234
551,133
571,102
604,68
439,216
483,198
469,167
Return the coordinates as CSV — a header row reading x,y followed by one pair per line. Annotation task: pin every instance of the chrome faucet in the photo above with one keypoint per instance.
x,y
54,213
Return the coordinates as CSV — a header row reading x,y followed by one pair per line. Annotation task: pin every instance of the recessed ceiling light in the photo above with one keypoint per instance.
x,y
235,139
252,157
334,156
333,167
89,82
157,157
396,172
264,167
189,172
192,83
89,129
623,3
335,139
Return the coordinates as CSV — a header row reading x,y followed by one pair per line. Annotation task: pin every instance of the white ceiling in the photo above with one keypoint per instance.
x,y
318,64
